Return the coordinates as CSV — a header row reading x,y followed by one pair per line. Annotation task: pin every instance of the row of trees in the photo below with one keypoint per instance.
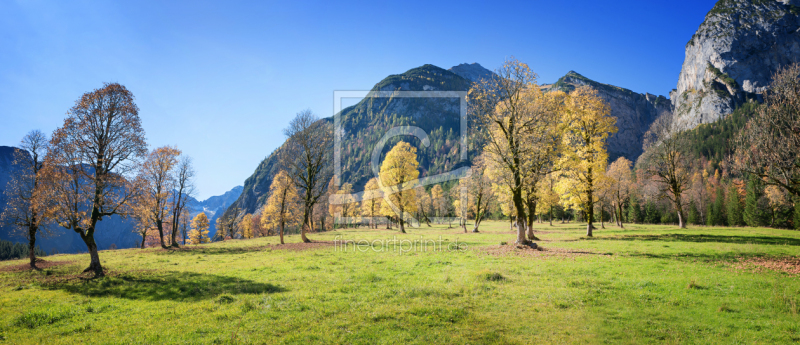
x,y
96,166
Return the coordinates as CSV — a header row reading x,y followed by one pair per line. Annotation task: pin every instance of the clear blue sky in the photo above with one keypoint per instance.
x,y
221,79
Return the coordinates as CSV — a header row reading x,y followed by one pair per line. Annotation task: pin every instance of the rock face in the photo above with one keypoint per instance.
x,y
634,112
732,57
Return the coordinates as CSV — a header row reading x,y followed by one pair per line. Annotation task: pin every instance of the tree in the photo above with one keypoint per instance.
x,y
588,126
184,191
621,177
222,229
90,161
768,145
479,190
246,225
777,198
439,200
371,204
26,201
157,184
666,159
423,204
733,204
514,119
199,232
755,203
548,197
399,171
634,210
282,204
306,158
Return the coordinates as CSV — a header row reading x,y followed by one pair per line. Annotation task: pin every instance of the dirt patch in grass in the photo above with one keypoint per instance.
x,y
790,265
539,252
40,263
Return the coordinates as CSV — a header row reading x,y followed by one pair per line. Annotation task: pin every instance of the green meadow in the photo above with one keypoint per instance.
x,y
635,285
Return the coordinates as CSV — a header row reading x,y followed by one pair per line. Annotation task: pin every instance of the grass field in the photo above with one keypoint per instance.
x,y
641,284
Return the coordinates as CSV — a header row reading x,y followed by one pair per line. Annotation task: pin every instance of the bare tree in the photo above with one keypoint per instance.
x,y
184,190
480,190
666,160
307,160
27,203
91,160
768,146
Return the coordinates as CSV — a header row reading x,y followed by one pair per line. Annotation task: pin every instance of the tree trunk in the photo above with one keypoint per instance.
x,y
174,237
94,265
531,216
303,227
32,246
619,207
602,225
679,208
281,231
551,215
464,224
160,227
402,222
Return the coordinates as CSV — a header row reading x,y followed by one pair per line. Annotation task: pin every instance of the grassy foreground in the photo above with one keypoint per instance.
x,y
640,284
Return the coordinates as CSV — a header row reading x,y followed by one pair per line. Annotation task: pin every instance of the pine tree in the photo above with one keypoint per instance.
x,y
694,215
753,214
734,206
634,212
718,211
652,216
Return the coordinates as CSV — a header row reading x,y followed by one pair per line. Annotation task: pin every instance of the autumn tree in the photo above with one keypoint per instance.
x,y
371,203
90,161
588,126
307,160
619,172
199,232
399,171
768,146
26,201
667,159
246,226
479,190
157,184
548,197
423,204
439,200
282,205
516,124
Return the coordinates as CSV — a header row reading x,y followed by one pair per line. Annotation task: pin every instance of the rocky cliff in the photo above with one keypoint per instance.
x,y
634,112
732,57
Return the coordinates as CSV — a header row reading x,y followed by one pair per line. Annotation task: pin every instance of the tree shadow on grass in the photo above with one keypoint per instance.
x,y
158,286
700,238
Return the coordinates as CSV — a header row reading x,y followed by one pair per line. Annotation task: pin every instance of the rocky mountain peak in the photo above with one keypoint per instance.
x,y
472,72
732,56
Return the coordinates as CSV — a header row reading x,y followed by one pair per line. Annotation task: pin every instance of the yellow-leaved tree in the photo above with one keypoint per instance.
x,y
622,179
246,226
584,159
438,201
548,197
371,203
399,172
199,232
283,205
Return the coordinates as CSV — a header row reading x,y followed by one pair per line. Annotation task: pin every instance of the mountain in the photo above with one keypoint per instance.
x,y
732,56
366,122
363,125
472,72
214,207
634,112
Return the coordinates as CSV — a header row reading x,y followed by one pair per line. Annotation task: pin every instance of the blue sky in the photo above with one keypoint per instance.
x,y
221,79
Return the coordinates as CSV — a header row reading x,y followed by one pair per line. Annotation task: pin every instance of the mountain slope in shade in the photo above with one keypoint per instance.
x,y
472,72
